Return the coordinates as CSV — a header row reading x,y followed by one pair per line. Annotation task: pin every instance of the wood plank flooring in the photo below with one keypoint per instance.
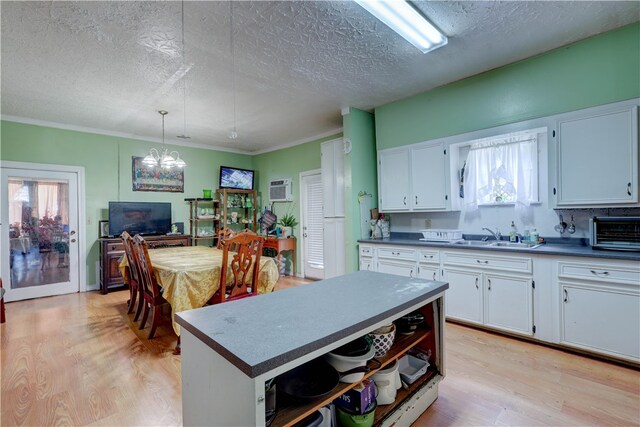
x,y
79,359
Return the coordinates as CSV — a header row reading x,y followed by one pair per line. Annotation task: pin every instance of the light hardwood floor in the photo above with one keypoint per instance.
x,y
80,360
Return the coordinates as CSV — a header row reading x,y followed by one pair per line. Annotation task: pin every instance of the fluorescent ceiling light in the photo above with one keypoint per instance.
x,y
402,18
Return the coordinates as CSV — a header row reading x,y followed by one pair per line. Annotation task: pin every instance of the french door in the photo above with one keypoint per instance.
x,y
312,224
39,232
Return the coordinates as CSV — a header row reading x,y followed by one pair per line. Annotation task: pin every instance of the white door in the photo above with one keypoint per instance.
x,y
40,250
508,302
464,297
596,318
393,180
312,227
428,177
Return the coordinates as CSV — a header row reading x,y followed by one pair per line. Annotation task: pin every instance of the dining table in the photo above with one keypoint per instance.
x,y
190,275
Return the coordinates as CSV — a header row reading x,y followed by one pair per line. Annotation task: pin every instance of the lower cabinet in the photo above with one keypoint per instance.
x,y
496,292
600,308
508,303
366,264
464,298
396,267
429,272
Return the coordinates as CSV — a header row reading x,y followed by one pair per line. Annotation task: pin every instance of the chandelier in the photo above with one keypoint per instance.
x,y
163,158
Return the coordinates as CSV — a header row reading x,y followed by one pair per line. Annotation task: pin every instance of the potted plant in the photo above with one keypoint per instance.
x,y
287,222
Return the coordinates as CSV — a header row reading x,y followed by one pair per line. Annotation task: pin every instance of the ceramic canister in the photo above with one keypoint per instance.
x,y
387,383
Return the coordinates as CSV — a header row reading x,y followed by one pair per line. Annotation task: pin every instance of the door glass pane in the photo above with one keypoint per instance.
x,y
38,231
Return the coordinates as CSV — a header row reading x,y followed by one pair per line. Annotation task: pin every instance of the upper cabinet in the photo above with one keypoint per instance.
x,y
393,180
597,157
413,178
428,177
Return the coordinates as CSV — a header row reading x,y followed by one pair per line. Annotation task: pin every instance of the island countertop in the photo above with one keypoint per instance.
x,y
261,333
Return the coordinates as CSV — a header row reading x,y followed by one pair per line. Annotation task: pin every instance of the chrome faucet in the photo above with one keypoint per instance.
x,y
496,235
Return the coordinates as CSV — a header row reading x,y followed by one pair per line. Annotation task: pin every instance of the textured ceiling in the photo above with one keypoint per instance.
x,y
112,65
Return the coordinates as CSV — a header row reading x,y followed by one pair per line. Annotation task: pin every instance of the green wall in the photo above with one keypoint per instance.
x,y
107,163
360,176
288,163
594,71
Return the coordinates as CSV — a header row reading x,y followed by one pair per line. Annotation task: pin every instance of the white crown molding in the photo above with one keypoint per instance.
x,y
55,125
36,122
299,142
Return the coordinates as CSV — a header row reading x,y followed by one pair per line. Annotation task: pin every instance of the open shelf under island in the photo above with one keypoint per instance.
x,y
236,348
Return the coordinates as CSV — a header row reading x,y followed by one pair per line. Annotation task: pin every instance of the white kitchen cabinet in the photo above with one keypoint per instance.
x,y
366,257
597,157
483,289
334,249
366,264
393,180
332,165
464,298
508,303
428,272
428,177
428,264
413,178
600,308
401,268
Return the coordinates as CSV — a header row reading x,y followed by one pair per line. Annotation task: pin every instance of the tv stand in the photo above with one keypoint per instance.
x,y
112,250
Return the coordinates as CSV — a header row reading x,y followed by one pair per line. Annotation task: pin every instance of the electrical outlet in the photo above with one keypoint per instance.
x,y
427,223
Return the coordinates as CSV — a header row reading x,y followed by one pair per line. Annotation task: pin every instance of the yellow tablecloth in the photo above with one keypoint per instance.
x,y
190,275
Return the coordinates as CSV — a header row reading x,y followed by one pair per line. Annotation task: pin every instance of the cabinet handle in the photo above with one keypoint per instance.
x,y
434,275
482,262
489,282
416,200
566,295
604,273
477,283
404,200
629,189
411,273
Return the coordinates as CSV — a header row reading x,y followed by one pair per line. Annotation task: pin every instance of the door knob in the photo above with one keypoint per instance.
x,y
72,232
73,240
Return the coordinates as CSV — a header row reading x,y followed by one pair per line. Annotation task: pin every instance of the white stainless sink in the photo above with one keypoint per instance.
x,y
501,244
472,243
516,245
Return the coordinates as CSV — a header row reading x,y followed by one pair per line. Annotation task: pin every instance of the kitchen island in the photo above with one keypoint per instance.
x,y
229,351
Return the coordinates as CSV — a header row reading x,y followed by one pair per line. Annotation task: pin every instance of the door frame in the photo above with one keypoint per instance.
x,y
302,175
82,242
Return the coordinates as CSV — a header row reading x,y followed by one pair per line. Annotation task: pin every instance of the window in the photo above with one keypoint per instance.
x,y
502,170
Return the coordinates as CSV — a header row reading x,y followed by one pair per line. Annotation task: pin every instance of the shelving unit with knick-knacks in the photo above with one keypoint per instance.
x,y
238,209
204,220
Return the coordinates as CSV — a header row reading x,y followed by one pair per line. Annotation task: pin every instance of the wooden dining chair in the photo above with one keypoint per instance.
x,y
133,270
223,234
245,249
151,293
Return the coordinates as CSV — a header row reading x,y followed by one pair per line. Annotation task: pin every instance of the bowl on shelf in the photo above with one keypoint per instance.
x,y
409,323
411,368
383,339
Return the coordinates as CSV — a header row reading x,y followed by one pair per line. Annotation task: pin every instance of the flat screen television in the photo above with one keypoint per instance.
x,y
239,179
146,218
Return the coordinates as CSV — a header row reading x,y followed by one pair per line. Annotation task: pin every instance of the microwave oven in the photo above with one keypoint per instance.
x,y
615,233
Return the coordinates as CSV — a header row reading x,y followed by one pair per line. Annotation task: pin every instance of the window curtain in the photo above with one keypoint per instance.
x,y
47,199
500,168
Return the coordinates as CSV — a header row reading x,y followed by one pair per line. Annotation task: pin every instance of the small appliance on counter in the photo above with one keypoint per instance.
x,y
621,233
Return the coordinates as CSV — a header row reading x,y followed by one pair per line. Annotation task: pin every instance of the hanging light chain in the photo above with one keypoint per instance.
x,y
234,132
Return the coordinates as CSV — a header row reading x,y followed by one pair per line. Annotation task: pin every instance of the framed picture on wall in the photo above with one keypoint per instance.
x,y
154,178
103,228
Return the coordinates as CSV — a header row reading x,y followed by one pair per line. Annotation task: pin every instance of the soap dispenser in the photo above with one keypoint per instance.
x,y
513,233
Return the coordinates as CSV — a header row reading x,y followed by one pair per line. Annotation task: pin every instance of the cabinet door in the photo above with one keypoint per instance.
x,y
598,159
464,296
113,271
334,249
508,303
428,182
429,272
601,319
332,164
393,180
366,264
397,267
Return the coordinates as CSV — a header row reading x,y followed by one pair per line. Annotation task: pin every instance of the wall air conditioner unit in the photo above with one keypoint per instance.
x,y
280,190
